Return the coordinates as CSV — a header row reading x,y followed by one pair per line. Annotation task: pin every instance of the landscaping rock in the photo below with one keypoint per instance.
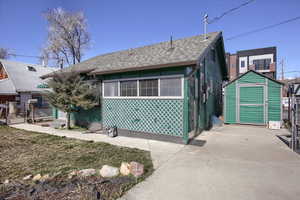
x,y
37,177
125,168
108,171
45,178
28,177
73,174
94,127
136,169
86,172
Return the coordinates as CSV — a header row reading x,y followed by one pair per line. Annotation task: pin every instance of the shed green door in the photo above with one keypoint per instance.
x,y
251,105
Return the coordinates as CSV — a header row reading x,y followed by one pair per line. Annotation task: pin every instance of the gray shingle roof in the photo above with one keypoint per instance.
x,y
186,50
7,87
20,79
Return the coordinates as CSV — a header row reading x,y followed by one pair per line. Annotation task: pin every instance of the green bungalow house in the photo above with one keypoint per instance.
x,y
170,88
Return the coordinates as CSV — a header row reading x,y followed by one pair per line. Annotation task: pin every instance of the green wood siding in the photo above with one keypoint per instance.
x,y
145,73
251,78
85,117
274,101
230,103
252,95
251,114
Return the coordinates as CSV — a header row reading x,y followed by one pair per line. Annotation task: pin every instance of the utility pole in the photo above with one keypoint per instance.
x,y
205,22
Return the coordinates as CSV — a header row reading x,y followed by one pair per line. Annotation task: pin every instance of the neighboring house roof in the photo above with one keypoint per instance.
x,y
181,52
255,73
7,87
22,77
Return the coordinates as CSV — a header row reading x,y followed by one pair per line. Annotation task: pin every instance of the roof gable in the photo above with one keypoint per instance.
x,y
254,76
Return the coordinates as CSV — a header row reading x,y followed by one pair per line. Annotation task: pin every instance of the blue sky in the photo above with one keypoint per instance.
x,y
123,24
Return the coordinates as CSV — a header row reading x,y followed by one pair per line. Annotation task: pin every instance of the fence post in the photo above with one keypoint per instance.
x,y
6,113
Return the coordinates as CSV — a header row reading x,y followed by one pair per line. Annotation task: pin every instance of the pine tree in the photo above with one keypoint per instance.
x,y
69,92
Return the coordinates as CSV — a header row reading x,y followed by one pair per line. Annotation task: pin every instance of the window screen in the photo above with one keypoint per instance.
x,y
148,87
170,87
128,88
111,89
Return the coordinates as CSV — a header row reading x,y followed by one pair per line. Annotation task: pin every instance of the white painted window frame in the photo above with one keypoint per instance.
x,y
138,88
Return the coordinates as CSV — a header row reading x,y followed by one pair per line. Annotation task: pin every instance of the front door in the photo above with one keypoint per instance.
x,y
251,105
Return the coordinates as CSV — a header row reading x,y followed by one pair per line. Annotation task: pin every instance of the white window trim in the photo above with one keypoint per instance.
x,y
138,85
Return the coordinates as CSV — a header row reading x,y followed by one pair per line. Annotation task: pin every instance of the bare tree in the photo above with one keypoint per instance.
x,y
4,53
67,37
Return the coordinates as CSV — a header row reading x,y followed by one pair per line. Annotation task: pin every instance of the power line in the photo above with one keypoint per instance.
x,y
291,72
229,11
263,28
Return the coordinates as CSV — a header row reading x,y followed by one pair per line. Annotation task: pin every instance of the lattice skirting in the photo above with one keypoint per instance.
x,y
159,116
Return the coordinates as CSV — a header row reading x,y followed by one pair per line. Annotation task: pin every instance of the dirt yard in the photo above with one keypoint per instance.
x,y
25,153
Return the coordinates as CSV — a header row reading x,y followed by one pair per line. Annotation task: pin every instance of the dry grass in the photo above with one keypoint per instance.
x,y
23,153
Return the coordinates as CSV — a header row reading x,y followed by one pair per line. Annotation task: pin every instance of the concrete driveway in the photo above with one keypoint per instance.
x,y
236,162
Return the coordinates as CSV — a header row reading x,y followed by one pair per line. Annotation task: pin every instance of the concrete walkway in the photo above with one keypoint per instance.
x,y
160,151
236,162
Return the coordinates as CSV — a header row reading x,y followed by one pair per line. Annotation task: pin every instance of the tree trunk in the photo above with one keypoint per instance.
x,y
68,120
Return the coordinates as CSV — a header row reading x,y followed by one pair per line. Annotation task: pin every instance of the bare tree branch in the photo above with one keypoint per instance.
x,y
4,53
67,36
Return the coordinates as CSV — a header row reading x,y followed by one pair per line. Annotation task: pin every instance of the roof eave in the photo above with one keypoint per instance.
x,y
176,64
61,72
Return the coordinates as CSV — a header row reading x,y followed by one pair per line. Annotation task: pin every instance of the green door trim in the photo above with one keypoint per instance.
x,y
239,104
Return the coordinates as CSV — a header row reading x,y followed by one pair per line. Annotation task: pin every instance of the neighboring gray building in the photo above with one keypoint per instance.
x,y
21,81
262,60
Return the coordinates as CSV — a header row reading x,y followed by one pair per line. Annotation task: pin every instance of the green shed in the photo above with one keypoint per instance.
x,y
252,98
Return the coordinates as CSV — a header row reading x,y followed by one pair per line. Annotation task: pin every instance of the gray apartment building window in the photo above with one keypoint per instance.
x,y
262,64
242,63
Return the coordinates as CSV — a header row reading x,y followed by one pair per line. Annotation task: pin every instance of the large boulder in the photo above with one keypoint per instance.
x,y
125,169
136,169
108,171
86,172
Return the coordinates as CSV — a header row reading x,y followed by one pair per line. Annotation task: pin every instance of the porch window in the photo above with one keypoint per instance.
x,y
128,88
170,87
111,89
148,87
